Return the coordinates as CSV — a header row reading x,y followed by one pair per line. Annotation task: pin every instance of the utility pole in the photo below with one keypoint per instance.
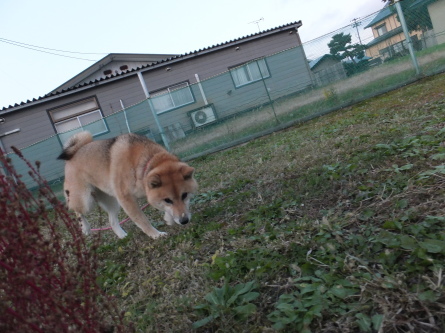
x,y
356,24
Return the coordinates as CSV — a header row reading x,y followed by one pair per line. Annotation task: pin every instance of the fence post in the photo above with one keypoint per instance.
x,y
267,92
407,36
155,116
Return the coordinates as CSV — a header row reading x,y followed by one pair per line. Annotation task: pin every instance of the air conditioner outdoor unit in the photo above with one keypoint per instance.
x,y
203,116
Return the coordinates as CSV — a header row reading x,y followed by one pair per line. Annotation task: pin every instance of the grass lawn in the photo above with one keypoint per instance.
x,y
335,225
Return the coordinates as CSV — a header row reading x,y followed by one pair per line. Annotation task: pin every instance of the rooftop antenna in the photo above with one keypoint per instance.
x,y
258,23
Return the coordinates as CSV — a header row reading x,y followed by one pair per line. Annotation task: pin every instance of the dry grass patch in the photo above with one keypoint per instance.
x,y
335,225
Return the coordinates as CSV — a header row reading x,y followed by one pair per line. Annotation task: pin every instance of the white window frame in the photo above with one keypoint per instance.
x,y
243,75
80,123
168,93
91,108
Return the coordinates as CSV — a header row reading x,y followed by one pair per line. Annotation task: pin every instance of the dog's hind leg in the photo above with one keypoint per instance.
x,y
79,200
112,207
86,227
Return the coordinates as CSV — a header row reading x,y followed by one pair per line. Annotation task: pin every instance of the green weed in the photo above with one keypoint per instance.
x,y
245,263
315,297
228,303
111,275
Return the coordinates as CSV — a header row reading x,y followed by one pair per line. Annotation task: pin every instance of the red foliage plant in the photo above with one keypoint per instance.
x,y
48,270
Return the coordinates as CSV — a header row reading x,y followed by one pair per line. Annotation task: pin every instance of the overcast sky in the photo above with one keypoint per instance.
x,y
91,29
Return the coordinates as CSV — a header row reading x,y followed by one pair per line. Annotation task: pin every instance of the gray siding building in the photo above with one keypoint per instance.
x,y
186,91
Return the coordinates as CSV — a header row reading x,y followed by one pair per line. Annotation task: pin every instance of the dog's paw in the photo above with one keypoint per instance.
x,y
160,234
86,231
122,234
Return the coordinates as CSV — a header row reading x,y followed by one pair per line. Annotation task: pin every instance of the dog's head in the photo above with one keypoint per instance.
x,y
169,187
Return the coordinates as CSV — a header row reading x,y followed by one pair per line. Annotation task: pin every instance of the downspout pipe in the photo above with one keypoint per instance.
x,y
155,115
125,115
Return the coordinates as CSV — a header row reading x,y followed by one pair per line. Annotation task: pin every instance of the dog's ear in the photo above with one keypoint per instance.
x,y
187,172
154,181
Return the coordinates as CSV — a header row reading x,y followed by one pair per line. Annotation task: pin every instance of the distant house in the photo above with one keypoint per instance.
x,y
389,39
327,69
121,80
437,14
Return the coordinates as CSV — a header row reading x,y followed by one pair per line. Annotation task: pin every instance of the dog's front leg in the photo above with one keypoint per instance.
x,y
134,212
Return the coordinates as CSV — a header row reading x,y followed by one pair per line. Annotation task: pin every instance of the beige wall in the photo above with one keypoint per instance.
x,y
437,14
391,23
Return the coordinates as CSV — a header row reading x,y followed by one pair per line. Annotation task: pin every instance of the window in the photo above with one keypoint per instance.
x,y
381,29
172,97
399,47
250,72
385,52
77,117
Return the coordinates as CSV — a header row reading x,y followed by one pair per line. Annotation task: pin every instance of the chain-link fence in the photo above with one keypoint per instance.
x,y
369,57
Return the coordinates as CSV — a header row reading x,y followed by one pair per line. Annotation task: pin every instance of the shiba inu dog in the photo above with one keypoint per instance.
x,y
116,172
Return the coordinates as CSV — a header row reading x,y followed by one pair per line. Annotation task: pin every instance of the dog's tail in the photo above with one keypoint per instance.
x,y
74,143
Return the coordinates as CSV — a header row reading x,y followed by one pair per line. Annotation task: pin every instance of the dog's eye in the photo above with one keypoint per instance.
x,y
184,195
169,201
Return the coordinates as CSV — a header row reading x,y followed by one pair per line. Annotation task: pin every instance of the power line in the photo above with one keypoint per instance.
x,y
60,55
36,48
46,48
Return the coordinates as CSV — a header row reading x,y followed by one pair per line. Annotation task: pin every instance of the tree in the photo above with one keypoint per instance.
x,y
341,48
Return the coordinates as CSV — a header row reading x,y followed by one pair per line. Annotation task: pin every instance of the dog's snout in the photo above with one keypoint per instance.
x,y
184,220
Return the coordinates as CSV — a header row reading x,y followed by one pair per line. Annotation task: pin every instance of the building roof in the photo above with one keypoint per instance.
x,y
159,63
419,3
381,15
129,57
316,62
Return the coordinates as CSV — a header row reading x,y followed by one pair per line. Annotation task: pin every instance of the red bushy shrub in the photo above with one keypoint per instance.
x,y
48,271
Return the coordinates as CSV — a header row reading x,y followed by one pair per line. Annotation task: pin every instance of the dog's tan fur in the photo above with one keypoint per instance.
x,y
116,172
